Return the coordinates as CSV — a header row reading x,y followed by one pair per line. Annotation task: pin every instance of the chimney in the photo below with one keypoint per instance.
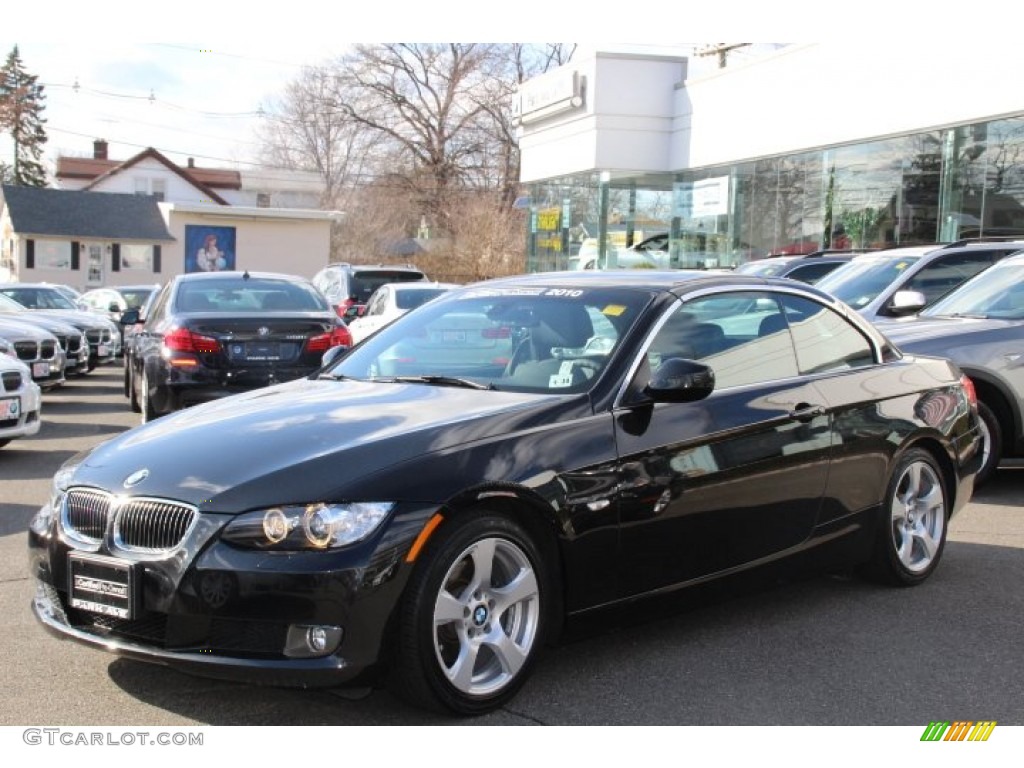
x,y
191,162
99,149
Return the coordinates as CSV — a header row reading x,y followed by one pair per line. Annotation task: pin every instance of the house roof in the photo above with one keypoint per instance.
x,y
197,177
73,213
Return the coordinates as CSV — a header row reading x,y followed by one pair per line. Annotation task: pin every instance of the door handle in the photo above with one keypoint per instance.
x,y
805,412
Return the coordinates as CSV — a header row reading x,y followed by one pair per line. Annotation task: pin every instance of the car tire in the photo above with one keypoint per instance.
x,y
913,523
146,401
133,395
992,450
4,442
127,378
473,618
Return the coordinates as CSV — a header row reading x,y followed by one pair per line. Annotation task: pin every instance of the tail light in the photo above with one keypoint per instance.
x,y
501,332
183,340
338,336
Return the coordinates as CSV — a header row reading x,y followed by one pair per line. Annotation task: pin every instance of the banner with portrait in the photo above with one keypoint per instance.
x,y
209,249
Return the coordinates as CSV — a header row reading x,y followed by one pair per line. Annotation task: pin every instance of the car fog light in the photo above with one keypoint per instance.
x,y
310,641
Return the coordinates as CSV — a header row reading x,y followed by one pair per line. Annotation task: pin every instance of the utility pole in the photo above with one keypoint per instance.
x,y
719,49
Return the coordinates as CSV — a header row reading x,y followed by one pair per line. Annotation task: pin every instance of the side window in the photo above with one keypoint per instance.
x,y
157,309
741,335
946,273
825,341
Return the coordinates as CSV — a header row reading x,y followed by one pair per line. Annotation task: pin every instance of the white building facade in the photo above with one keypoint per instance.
x,y
892,144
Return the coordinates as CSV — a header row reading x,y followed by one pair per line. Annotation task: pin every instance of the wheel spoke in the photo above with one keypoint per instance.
x,y
483,561
509,655
448,609
905,549
928,542
461,672
522,587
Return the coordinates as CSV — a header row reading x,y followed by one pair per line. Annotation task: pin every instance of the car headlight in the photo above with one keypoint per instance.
x,y
310,526
60,484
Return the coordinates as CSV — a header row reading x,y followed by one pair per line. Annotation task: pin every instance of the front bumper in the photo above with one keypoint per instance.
x,y
212,609
28,421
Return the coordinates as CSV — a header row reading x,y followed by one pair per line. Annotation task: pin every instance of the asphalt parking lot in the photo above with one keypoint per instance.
x,y
826,650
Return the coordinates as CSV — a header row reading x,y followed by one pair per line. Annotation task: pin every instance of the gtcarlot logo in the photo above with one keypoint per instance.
x,y
959,730
68,737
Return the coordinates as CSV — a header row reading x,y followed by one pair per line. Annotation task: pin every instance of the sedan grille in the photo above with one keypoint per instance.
x,y
98,335
48,349
139,524
26,350
12,381
74,344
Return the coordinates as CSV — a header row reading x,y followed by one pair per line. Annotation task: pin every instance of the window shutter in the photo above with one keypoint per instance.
x,y
74,255
156,258
30,254
115,258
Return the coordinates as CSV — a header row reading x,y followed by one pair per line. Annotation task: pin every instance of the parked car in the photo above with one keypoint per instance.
x,y
103,336
903,281
21,401
807,269
112,302
980,326
213,334
351,285
441,522
390,301
70,354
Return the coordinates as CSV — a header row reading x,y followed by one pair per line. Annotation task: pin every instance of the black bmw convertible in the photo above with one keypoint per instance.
x,y
432,506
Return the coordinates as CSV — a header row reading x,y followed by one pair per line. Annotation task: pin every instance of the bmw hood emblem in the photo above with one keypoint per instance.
x,y
135,478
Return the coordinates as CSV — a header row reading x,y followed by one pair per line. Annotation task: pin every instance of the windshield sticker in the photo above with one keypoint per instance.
x,y
902,265
614,310
564,376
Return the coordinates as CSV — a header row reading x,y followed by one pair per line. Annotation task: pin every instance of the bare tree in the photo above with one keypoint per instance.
x,y
412,134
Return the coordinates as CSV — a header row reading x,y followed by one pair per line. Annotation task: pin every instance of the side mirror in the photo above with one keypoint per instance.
x,y
352,312
333,354
907,303
680,381
129,317
114,307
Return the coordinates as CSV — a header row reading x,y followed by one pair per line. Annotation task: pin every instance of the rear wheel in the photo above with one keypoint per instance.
x,y
992,444
145,401
473,618
133,396
915,513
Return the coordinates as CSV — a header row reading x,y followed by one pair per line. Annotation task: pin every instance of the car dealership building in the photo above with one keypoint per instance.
x,y
785,152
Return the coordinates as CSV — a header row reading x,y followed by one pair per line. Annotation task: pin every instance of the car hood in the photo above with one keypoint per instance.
x,y
305,441
22,330
79,319
911,331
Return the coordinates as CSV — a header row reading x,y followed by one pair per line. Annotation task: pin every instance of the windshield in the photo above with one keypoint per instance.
x,y
362,284
252,294
762,268
537,339
997,292
39,298
413,298
10,306
862,280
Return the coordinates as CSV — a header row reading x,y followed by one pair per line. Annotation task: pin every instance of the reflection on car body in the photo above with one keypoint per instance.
x,y
431,506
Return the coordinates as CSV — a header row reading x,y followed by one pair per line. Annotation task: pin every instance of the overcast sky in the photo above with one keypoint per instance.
x,y
200,94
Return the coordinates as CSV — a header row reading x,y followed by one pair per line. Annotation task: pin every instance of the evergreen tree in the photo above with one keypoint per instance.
x,y
21,109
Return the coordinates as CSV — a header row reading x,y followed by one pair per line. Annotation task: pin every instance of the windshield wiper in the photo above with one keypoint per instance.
x,y
966,315
444,381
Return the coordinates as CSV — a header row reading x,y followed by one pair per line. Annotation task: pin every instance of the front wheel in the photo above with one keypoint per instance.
x,y
473,617
915,513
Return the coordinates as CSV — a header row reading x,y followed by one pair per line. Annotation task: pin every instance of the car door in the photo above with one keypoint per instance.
x,y
732,479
